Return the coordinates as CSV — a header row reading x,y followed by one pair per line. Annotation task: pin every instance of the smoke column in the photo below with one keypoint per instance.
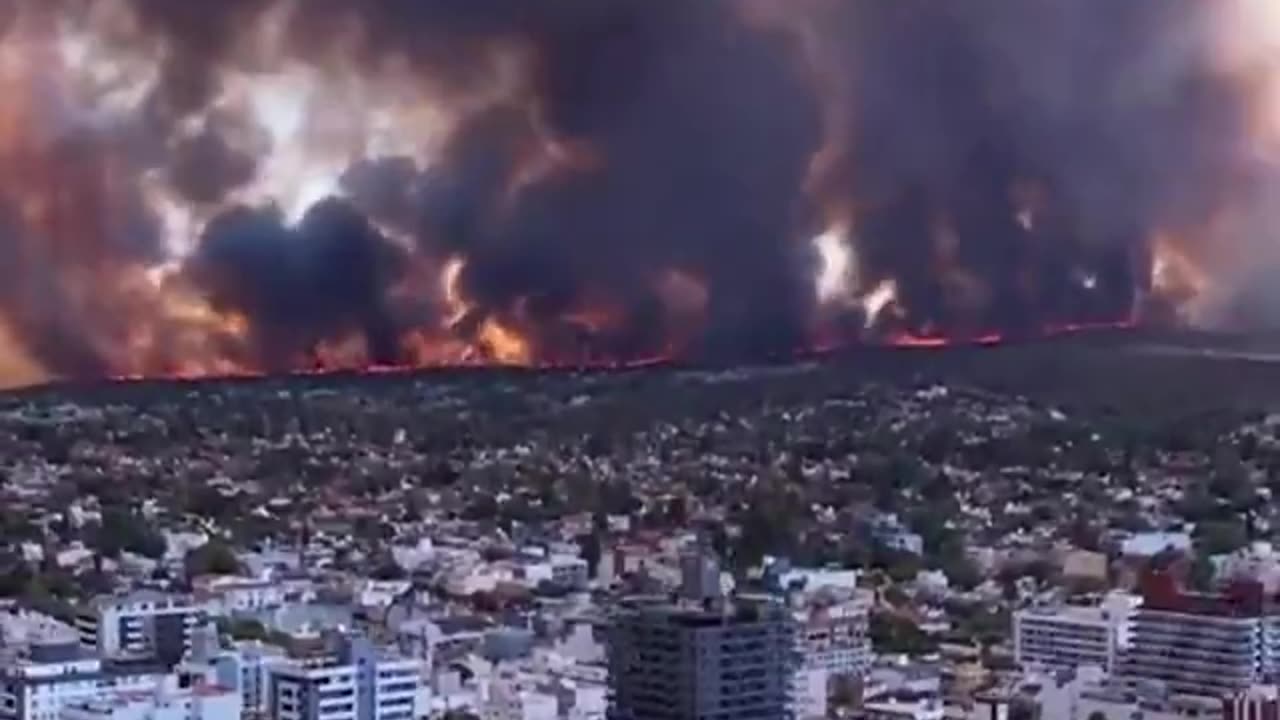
x,y
278,185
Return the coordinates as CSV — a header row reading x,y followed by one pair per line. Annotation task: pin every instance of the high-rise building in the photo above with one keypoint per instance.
x,y
1067,637
701,656
349,680
1199,644
254,662
140,625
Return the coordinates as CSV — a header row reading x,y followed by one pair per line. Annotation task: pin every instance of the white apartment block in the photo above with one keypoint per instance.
x,y
140,625
353,681
313,690
1067,637
836,638
1195,654
39,683
830,641
1209,645
398,686
254,663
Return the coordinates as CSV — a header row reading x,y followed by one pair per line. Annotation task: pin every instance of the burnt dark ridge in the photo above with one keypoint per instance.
x,y
704,362
1104,372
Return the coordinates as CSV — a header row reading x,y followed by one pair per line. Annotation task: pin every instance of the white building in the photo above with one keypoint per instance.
x,y
1148,544
1257,561
20,628
176,699
1067,637
140,625
1209,655
809,694
320,689
836,638
583,701
1114,702
225,595
534,567
510,698
810,580
832,641
38,683
928,708
381,593
569,571
352,680
1198,644
255,661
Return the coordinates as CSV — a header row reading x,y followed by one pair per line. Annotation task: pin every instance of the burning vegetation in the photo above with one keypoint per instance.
x,y
196,188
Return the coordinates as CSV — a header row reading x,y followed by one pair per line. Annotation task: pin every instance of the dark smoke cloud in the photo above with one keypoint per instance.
x,y
1110,108
200,36
705,129
204,168
324,278
1005,163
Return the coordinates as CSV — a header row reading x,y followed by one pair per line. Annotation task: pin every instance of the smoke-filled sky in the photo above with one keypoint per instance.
x,y
264,185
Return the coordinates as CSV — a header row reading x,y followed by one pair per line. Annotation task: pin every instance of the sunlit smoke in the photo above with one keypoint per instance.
x,y
247,186
879,301
837,270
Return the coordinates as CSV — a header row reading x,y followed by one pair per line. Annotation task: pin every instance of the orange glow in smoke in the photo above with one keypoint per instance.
x,y
71,80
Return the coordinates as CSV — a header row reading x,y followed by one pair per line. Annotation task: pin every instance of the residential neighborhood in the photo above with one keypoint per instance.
x,y
916,550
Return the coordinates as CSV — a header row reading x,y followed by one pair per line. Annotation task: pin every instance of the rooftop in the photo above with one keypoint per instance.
x,y
706,614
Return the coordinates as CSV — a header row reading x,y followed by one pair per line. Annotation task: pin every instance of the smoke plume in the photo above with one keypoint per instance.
x,y
193,188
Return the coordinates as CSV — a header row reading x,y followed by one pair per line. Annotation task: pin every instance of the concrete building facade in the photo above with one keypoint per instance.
x,y
351,680
1198,644
47,678
715,659
1066,637
140,625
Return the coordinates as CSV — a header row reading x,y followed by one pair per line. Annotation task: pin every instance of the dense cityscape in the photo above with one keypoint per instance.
x,y
639,360
804,540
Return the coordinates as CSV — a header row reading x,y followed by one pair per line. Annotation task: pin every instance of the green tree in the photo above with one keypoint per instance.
x,y
891,633
15,575
246,629
1216,537
962,572
125,530
592,549
388,569
213,558
1201,574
